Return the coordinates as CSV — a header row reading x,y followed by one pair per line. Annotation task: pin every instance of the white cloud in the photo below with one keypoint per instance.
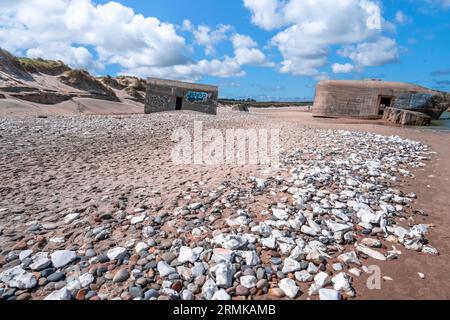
x,y
68,27
342,68
77,57
250,56
207,37
228,67
90,36
401,18
266,13
369,54
246,52
311,28
243,41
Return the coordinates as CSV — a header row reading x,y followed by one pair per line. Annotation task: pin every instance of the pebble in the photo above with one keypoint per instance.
x,y
303,276
40,261
86,279
290,266
136,292
17,277
61,294
61,258
289,288
329,295
322,279
55,277
317,209
25,254
164,269
116,253
71,217
187,255
121,276
221,295
242,291
276,293
248,281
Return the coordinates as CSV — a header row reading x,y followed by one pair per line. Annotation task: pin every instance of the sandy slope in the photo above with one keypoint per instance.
x,y
15,107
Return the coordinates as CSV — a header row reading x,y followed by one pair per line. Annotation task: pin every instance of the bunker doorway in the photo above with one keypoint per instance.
x,y
385,102
179,104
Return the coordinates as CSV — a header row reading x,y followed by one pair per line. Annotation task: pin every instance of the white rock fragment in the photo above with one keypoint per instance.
x,y
209,289
17,277
371,253
61,294
308,230
342,282
280,214
141,246
86,279
322,279
248,281
224,274
61,258
187,255
25,254
289,288
303,276
164,269
290,265
40,261
221,295
71,217
329,295
138,219
116,253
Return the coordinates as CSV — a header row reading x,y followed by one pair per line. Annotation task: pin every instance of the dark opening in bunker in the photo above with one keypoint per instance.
x,y
385,102
179,104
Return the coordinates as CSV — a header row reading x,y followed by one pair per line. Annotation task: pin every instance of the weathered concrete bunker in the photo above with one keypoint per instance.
x,y
368,99
168,95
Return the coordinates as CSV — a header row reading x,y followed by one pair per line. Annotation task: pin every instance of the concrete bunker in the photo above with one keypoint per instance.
x,y
368,99
170,95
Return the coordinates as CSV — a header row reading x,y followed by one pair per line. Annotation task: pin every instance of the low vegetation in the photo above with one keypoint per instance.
x,y
50,67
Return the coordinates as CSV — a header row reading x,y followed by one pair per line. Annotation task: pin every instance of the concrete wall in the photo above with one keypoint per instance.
x,y
162,96
359,99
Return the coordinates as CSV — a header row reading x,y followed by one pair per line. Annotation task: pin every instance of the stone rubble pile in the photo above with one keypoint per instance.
x,y
306,231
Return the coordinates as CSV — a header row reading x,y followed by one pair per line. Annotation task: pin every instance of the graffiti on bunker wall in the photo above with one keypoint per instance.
x,y
196,97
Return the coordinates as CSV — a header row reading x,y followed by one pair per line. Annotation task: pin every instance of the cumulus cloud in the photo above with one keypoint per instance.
x,y
206,36
66,28
311,28
246,52
342,68
267,14
89,36
228,67
369,54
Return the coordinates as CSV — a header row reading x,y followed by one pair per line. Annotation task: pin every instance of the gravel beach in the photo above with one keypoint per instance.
x,y
93,208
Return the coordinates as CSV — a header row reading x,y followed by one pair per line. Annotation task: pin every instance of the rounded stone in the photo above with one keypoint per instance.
x,y
55,277
121,276
242,291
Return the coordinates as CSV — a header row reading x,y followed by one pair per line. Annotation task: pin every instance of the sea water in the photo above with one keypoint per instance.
x,y
443,122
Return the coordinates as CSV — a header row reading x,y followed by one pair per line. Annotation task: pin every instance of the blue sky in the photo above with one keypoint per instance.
x,y
263,49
